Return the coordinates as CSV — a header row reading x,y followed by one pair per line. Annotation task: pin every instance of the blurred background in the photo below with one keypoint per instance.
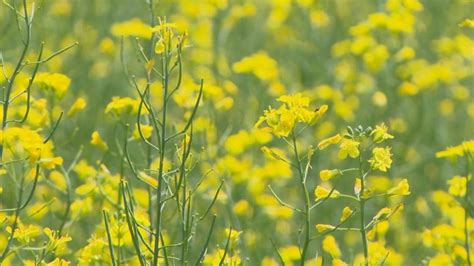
x,y
406,63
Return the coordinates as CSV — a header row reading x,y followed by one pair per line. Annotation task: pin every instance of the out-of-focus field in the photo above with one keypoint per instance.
x,y
237,132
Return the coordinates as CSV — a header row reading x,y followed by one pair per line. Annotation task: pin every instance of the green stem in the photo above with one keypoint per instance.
x,y
307,207
363,233
466,213
162,158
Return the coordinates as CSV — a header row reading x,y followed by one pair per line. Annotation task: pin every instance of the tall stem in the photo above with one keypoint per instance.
x,y
363,233
307,206
466,212
162,158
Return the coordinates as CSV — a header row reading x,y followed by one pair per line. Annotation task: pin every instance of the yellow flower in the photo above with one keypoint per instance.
x,y
324,227
78,105
56,242
147,130
25,234
242,207
380,133
58,83
405,53
260,64
457,186
322,193
346,212
159,47
283,120
329,141
459,150
97,141
331,247
381,159
274,153
326,174
133,27
348,147
402,189
125,105
21,142
385,213
467,23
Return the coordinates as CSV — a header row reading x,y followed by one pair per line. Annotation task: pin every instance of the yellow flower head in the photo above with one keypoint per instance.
x,y
58,83
326,175
380,133
457,186
330,246
381,159
346,213
283,120
324,227
125,105
134,27
78,105
97,141
348,147
322,193
402,189
146,130
329,141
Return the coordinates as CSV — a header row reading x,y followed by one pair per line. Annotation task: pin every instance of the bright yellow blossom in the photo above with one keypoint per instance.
x,y
381,159
97,141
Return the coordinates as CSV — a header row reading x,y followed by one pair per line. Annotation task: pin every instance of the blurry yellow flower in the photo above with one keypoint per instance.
x,y
406,53
348,147
413,5
58,179
457,186
408,88
107,46
58,83
159,47
402,189
346,213
97,141
331,140
148,179
146,130
326,174
324,227
25,233
357,186
379,99
321,193
274,153
260,64
23,142
381,159
467,23
375,58
133,27
446,107
380,133
56,242
290,253
125,105
242,207
319,18
330,246
459,150
78,105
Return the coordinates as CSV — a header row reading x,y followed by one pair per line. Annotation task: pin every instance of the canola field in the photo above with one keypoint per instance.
x,y
237,132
